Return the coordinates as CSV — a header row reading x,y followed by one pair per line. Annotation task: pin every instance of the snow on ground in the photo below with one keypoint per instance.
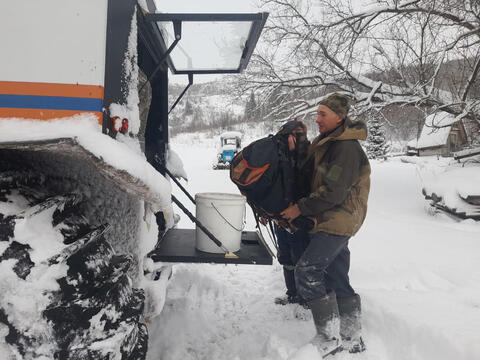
x,y
416,271
450,180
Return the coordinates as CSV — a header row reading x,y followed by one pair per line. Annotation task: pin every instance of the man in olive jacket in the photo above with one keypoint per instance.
x,y
337,172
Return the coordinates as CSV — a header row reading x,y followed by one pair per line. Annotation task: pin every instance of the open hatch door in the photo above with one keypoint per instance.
x,y
215,43
203,44
208,43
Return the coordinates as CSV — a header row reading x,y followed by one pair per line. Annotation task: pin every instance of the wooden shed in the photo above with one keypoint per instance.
x,y
441,135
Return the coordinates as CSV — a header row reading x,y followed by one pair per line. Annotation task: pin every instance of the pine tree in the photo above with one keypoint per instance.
x,y
377,146
250,107
188,108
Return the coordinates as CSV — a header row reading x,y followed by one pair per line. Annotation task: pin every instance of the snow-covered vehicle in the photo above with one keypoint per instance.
x,y
82,188
230,145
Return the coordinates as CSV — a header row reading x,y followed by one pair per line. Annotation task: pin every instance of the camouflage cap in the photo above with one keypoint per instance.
x,y
338,103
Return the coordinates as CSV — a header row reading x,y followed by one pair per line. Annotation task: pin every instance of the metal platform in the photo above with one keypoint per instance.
x,y
178,245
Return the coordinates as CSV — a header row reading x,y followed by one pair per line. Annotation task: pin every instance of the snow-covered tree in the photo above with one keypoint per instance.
x,y
376,145
251,107
421,53
188,108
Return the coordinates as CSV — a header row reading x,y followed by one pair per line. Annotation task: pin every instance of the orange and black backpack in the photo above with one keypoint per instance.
x,y
265,173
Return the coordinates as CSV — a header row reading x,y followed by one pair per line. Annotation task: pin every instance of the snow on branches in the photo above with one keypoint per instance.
x,y
421,53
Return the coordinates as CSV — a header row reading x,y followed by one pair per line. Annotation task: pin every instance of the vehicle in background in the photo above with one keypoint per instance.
x,y
230,145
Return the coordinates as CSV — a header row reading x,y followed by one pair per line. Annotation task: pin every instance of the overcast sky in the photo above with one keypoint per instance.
x,y
207,6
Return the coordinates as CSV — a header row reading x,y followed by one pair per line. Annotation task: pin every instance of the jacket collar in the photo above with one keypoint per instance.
x,y
349,130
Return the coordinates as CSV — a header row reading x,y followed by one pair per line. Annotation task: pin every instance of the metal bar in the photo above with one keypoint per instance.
x,y
206,17
251,42
216,71
190,82
177,26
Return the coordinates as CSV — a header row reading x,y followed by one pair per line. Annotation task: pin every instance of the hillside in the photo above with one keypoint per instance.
x,y
205,106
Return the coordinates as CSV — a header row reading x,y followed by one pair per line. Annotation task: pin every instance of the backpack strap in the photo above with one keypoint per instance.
x,y
272,234
287,168
274,237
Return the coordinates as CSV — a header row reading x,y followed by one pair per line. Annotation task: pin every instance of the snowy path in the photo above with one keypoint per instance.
x,y
417,274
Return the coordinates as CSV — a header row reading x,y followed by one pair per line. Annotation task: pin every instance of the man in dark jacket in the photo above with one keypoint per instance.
x,y
290,247
338,173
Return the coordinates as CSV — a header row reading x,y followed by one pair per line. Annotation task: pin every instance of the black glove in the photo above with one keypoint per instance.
x,y
304,223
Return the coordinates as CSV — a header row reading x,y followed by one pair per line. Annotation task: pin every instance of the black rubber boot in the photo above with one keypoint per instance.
x,y
291,297
327,322
350,323
287,299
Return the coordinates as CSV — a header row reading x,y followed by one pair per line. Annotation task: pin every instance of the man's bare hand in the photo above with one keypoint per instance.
x,y
291,142
291,213
292,139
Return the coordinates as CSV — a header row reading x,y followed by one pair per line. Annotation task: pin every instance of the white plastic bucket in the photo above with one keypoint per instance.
x,y
223,215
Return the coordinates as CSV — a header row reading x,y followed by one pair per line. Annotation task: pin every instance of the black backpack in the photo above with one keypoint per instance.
x,y
265,173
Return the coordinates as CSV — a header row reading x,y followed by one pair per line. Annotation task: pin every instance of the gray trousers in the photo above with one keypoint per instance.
x,y
324,267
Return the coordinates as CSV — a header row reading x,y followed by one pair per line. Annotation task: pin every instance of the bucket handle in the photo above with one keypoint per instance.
x,y
228,222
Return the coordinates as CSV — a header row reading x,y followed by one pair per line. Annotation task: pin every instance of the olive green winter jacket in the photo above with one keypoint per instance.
x,y
338,173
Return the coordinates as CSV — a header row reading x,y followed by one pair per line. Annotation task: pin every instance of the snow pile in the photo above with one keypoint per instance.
x,y
154,286
175,164
452,182
26,299
468,153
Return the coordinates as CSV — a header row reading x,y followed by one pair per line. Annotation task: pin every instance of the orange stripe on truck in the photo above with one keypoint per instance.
x,y
44,114
51,89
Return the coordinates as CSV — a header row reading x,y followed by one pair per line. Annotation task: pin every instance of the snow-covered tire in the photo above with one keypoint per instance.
x,y
65,294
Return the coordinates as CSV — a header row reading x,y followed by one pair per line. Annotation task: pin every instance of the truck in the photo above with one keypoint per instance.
x,y
87,227
230,145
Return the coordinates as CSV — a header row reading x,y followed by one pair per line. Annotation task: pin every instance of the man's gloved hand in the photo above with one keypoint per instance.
x,y
304,223
296,220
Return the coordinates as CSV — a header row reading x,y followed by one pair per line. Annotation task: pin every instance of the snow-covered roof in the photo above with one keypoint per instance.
x,y
231,134
435,130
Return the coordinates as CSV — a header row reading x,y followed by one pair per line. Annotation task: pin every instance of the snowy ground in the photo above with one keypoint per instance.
x,y
417,273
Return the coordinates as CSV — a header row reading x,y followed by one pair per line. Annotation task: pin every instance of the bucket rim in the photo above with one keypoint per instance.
x,y
218,196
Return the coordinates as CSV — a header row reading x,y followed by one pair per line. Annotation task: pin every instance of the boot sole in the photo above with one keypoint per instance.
x,y
333,352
